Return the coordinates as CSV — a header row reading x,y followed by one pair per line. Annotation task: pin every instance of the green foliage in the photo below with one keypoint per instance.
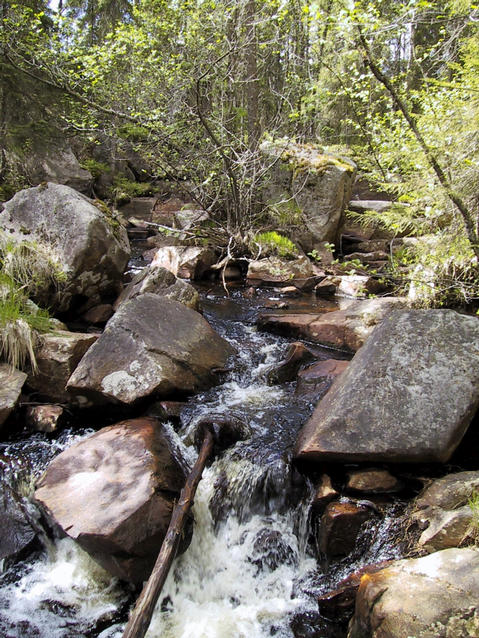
x,y
124,189
96,168
272,243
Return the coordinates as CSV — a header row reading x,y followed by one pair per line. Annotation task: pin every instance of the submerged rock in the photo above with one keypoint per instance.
x,y
430,597
113,493
152,346
88,246
407,396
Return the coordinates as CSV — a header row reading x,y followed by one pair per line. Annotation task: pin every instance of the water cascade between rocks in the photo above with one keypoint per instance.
x,y
252,568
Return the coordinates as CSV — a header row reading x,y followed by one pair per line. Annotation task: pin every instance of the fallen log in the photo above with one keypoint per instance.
x,y
140,618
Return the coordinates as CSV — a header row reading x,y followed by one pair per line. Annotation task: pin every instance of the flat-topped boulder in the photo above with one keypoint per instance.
x,y
275,270
113,493
152,346
430,597
344,329
87,245
408,395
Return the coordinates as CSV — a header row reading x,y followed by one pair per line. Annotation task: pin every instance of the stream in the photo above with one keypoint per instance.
x,y
252,569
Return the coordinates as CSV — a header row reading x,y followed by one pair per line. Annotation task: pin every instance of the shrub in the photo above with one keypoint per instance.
x,y
272,243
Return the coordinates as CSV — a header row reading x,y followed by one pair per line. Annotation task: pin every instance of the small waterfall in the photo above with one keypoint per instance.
x,y
250,568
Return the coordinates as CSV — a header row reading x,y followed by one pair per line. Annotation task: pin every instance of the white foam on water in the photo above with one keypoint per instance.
x,y
216,590
63,588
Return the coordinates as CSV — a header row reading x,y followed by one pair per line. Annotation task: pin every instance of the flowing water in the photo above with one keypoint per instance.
x,y
250,570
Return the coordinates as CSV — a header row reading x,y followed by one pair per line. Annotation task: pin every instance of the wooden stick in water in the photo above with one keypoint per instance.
x,y
140,618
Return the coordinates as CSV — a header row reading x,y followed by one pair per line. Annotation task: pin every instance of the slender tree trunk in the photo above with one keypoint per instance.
x,y
464,211
252,80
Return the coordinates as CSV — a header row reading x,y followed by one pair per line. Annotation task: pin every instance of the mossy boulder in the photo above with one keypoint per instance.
x,y
309,187
87,245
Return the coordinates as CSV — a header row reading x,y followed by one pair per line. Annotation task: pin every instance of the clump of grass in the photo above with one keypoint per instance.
x,y
26,269
272,243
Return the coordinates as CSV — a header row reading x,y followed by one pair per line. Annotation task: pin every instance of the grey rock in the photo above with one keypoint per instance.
x,y
58,165
360,205
11,384
16,532
316,185
443,512
279,271
90,247
430,597
151,346
160,281
187,262
57,357
408,395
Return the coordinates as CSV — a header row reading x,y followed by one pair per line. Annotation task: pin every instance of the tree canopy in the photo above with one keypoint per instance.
x,y
195,86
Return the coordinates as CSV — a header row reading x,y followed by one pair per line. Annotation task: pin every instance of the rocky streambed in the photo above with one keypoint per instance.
x,y
348,507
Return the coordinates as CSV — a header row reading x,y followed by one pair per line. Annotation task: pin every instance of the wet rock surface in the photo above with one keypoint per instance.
x,y
16,531
113,493
339,527
407,396
151,346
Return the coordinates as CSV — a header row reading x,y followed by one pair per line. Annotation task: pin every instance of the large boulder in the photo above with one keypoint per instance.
x,y
430,597
11,384
57,164
310,184
88,245
113,493
163,282
344,329
57,355
151,346
444,513
408,395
